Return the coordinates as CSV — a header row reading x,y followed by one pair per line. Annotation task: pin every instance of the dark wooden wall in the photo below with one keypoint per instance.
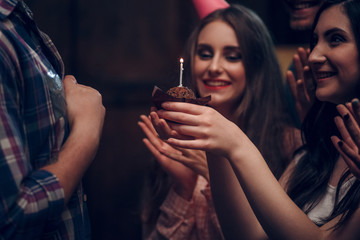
x,y
122,48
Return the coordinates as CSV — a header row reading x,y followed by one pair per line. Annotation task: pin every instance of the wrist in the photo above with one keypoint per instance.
x,y
185,189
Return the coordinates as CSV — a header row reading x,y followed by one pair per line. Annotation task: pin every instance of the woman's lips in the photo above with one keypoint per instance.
x,y
216,84
322,75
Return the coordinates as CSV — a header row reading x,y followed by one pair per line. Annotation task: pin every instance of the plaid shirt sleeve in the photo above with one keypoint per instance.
x,y
194,219
27,196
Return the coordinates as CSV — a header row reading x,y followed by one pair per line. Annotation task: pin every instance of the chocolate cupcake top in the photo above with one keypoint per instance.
x,y
177,94
181,92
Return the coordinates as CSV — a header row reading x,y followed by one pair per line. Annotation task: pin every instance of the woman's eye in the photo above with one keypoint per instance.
x,y
336,39
204,54
234,57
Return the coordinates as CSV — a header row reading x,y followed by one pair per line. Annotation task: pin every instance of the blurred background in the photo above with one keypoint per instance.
x,y
123,48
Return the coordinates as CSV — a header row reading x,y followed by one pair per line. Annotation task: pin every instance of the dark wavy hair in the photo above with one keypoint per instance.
x,y
310,178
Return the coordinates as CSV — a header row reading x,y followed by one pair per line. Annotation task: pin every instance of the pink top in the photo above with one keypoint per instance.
x,y
182,219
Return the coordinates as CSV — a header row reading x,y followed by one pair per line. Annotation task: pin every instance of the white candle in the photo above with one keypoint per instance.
x,y
181,71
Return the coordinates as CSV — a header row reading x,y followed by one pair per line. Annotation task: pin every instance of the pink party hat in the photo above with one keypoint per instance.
x,y
205,7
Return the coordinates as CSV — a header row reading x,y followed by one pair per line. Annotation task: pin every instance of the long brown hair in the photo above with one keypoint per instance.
x,y
260,110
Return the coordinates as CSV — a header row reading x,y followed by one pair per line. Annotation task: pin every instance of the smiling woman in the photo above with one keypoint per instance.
x,y
231,57
317,197
218,66
332,59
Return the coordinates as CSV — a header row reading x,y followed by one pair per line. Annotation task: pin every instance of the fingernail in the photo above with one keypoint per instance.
x,y
164,105
355,102
340,143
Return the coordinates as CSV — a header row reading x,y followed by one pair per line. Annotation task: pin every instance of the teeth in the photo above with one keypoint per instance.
x,y
302,6
324,74
216,83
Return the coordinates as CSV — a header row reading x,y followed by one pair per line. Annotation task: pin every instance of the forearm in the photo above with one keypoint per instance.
x,y
233,210
74,159
277,213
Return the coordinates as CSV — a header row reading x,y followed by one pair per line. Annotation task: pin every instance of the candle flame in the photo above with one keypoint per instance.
x,y
181,60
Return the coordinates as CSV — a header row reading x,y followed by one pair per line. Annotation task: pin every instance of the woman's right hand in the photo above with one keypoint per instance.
x,y
301,85
174,160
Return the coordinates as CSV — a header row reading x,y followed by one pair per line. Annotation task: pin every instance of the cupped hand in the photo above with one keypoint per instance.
x,y
348,126
184,177
160,125
302,84
206,129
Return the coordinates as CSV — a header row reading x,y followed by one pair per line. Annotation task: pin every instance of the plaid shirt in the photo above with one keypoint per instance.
x,y
32,129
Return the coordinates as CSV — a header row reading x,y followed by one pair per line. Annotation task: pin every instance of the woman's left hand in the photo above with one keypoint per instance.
x,y
348,126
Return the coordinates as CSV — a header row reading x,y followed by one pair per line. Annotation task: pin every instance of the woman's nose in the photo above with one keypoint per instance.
x,y
317,56
215,66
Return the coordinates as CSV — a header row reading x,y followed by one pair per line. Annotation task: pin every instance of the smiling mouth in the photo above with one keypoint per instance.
x,y
302,5
322,75
216,84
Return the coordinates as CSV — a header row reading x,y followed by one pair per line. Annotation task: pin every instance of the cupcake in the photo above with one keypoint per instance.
x,y
177,94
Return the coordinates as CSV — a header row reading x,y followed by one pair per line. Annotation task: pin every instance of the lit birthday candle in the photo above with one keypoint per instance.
x,y
181,71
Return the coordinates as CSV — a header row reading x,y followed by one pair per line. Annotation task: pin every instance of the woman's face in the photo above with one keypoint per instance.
x,y
218,67
334,59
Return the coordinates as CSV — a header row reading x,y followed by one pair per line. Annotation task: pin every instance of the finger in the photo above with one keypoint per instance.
x,y
148,123
166,128
349,156
350,153
339,145
184,107
344,131
69,81
342,109
303,55
292,83
352,128
301,91
356,109
178,117
191,144
187,132
158,125
149,134
298,67
309,84
175,134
